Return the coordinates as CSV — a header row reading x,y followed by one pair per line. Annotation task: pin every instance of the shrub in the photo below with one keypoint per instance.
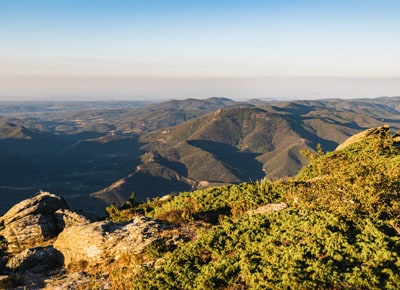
x,y
340,232
363,178
292,249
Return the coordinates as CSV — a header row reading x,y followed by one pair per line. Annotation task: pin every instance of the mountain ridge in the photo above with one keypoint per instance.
x,y
80,154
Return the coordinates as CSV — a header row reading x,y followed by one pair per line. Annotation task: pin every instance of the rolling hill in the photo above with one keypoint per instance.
x,y
237,144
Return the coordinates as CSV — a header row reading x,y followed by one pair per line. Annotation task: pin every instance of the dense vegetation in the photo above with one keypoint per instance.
x,y
341,230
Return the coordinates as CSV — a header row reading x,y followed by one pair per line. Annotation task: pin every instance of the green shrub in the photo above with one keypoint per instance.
x,y
363,178
292,249
341,230
157,248
207,204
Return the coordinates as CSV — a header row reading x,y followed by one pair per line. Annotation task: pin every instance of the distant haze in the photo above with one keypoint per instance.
x,y
179,48
142,88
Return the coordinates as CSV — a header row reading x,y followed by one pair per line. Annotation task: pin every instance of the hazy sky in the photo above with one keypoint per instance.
x,y
199,48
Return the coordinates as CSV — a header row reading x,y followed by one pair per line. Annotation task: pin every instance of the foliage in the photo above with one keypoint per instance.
x,y
363,178
10,282
157,248
341,230
298,249
207,204
127,212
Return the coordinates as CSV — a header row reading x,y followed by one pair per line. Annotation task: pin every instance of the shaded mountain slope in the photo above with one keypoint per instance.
x,y
223,147
231,134
33,160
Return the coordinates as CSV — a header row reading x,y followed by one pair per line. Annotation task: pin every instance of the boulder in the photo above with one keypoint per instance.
x,y
36,260
42,203
268,208
99,242
30,231
66,218
36,220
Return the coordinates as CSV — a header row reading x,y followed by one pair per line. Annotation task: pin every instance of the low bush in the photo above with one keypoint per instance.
x,y
296,249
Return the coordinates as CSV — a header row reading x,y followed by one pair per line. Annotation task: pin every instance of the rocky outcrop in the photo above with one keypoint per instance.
x,y
43,235
66,218
36,260
42,203
364,134
34,221
103,241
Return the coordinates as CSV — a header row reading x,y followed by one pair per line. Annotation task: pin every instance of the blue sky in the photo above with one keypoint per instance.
x,y
199,48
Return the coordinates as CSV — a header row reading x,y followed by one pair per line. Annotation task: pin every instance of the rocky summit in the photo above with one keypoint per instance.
x,y
45,238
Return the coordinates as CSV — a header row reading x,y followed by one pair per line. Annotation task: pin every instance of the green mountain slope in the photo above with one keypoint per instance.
x,y
226,146
236,144
339,231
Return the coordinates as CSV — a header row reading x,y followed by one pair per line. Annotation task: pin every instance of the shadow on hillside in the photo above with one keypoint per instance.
x,y
242,164
179,167
313,139
212,216
293,108
146,185
65,167
330,120
81,135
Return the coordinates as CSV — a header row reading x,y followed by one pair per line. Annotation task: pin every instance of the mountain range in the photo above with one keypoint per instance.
x,y
97,156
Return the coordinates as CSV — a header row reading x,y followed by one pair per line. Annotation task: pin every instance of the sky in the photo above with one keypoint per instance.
x,y
171,49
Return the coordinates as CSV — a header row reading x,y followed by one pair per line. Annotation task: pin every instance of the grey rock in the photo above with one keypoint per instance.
x,y
76,280
29,231
36,260
42,203
34,221
66,218
268,208
103,241
166,197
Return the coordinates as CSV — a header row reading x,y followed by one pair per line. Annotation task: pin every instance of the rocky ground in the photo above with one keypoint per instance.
x,y
49,246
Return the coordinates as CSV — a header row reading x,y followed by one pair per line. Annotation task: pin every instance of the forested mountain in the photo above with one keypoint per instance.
x,y
95,157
